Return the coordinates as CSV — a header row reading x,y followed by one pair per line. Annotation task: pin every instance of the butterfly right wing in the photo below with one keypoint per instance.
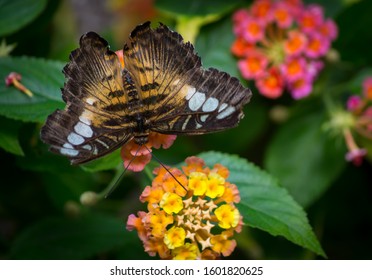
x,y
178,95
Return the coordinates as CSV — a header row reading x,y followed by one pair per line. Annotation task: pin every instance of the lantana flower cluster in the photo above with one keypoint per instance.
x,y
361,108
280,45
191,213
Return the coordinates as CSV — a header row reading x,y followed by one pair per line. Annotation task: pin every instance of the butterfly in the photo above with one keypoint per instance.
x,y
161,88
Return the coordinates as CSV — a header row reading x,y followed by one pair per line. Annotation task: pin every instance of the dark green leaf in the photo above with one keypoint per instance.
x,y
264,204
356,84
110,161
304,158
15,14
213,45
197,7
352,21
331,7
44,78
67,238
9,136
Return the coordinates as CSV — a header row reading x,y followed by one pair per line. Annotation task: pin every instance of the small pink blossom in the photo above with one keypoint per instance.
x,y
253,66
295,44
301,87
354,103
367,88
136,157
252,31
262,11
311,18
314,67
271,83
328,29
356,156
317,46
294,68
282,15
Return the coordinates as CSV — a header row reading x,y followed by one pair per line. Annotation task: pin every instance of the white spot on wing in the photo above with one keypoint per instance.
x,y
222,107
84,119
103,143
83,129
90,100
210,104
68,150
227,112
203,118
87,147
186,122
196,101
75,139
190,92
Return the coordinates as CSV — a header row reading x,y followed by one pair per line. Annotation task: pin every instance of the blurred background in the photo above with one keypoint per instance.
x,y
41,216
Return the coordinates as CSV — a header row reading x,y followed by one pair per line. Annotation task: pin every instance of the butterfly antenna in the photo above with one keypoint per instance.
x,y
166,168
117,179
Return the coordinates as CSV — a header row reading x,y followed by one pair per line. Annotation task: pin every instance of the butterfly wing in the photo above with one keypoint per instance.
x,y
94,121
179,96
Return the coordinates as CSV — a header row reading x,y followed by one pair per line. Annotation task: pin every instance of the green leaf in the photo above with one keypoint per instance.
x,y
264,204
67,238
15,14
240,137
108,162
354,47
44,78
304,158
213,46
197,7
9,136
356,84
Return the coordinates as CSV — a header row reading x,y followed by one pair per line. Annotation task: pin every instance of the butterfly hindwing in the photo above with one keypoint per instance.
x,y
91,125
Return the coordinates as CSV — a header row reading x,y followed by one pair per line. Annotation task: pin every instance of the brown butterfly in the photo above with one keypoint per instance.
x,y
162,88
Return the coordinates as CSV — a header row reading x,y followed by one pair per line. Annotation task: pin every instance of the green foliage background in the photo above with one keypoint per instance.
x,y
300,199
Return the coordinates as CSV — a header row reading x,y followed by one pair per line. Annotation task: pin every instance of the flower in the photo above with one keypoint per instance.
x,y
196,223
136,157
14,79
354,154
360,108
280,43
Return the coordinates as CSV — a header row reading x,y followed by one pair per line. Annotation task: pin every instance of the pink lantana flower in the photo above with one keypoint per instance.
x,y
301,87
291,39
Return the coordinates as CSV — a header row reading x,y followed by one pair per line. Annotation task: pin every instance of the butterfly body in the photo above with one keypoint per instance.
x,y
161,88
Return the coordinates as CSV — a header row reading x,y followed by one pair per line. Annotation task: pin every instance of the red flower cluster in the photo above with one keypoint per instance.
x,y
280,43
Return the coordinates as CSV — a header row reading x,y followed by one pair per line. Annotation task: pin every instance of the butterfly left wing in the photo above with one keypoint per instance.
x,y
94,121
178,95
